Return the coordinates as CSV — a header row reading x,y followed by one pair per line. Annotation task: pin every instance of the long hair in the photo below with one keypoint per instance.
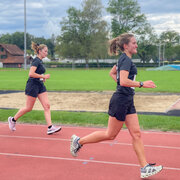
x,y
36,47
117,44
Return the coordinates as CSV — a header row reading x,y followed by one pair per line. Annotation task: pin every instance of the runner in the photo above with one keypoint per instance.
x,y
35,88
121,106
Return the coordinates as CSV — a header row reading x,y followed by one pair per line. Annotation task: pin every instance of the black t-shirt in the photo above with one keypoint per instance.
x,y
125,63
40,68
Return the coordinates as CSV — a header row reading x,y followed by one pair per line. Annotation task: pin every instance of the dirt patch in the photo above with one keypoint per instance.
x,y
91,101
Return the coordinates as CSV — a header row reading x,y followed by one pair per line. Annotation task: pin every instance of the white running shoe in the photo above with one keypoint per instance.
x,y
75,146
150,170
53,130
12,124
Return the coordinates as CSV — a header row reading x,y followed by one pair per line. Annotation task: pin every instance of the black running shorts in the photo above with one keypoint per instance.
x,y
34,88
120,105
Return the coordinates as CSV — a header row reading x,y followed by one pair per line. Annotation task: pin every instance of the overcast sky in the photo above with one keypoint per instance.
x,y
43,16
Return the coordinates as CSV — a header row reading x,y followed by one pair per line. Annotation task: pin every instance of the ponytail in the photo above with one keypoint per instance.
x,y
36,47
117,44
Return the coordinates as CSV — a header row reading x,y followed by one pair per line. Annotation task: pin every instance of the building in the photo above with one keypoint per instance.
x,y
12,56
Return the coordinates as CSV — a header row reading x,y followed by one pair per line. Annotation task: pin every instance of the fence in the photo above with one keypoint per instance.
x,y
92,65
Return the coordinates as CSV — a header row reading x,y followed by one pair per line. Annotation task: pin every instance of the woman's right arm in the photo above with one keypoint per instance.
x,y
113,73
33,74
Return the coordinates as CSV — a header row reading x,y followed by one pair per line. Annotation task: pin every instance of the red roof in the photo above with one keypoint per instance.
x,y
12,49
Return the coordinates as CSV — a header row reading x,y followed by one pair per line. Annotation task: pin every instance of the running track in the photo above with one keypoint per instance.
x,y
30,154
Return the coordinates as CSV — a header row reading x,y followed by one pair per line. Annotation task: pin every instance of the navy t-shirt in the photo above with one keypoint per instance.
x,y
40,68
125,63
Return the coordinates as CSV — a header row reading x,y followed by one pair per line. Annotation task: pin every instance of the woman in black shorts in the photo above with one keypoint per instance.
x,y
35,88
121,106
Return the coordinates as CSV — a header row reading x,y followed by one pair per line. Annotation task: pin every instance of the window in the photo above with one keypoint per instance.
x,y
2,49
3,56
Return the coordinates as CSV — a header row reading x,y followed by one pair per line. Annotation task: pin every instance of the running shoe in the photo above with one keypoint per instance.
x,y
12,124
75,146
150,170
53,130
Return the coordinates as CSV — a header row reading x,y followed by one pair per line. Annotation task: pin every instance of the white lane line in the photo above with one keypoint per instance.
x,y
30,137
109,142
80,160
95,128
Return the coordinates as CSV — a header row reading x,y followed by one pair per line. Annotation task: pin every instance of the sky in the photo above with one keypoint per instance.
x,y
43,16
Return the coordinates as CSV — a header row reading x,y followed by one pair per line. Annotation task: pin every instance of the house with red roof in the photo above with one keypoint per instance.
x,y
12,56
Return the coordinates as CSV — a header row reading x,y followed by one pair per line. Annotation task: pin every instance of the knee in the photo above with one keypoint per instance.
x,y
110,136
136,135
46,106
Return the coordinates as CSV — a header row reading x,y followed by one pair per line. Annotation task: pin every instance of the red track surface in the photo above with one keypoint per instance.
x,y
30,154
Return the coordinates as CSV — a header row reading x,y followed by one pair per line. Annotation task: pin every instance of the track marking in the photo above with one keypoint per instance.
x,y
95,128
80,160
111,143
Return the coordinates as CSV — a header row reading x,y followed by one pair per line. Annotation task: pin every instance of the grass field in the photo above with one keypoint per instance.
x,y
163,123
91,80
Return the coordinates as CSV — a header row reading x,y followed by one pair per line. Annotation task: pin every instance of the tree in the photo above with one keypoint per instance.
x,y
177,51
96,32
147,44
170,42
17,38
126,17
169,37
5,38
83,32
68,43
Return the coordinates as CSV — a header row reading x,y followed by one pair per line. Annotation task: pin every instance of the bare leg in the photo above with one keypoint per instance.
x,y
29,105
43,98
114,126
132,124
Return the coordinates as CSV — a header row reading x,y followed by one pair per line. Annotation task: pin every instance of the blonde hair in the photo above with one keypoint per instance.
x,y
117,44
36,47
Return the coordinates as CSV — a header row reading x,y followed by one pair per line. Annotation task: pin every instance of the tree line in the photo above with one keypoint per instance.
x,y
84,33
17,38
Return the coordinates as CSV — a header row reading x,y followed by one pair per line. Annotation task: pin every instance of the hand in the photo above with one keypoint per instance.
x,y
149,84
46,76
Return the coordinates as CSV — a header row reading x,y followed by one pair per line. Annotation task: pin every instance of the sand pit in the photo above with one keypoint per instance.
x,y
91,101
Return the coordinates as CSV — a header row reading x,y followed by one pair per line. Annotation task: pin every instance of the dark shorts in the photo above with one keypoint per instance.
x,y
34,88
121,105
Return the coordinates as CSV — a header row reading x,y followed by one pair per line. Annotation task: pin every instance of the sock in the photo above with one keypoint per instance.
x,y
13,119
49,126
79,143
145,166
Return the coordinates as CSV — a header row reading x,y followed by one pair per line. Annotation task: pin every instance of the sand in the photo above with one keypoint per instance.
x,y
91,101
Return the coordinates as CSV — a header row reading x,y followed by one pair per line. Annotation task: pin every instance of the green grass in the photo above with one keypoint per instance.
x,y
166,81
163,123
89,80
